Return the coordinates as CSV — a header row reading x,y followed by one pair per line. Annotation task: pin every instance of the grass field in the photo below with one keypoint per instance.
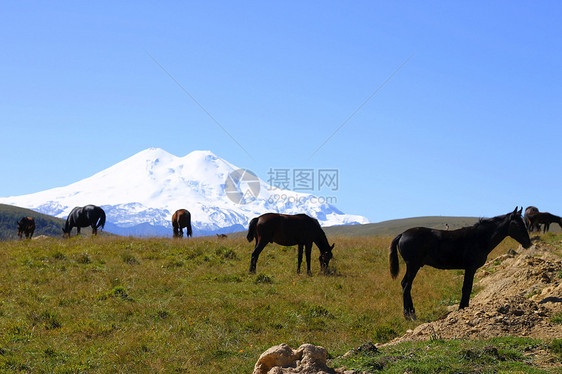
x,y
161,305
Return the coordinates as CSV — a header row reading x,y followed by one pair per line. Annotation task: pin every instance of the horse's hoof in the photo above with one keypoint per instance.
x,y
410,315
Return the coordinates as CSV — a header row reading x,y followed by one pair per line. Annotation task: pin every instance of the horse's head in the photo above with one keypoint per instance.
x,y
325,257
65,234
517,229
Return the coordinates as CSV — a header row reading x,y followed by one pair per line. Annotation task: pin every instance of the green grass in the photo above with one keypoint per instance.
x,y
496,355
108,304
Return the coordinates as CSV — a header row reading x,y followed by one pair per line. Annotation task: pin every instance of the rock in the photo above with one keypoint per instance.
x,y
282,359
279,355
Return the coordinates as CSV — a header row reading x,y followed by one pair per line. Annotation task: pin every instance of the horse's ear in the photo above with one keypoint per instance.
x,y
333,245
520,211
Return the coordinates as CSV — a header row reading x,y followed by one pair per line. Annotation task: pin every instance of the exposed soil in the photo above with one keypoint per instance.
x,y
520,293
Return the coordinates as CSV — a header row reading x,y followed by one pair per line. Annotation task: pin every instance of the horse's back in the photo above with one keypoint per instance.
x,y
286,229
417,237
531,210
441,249
86,215
181,216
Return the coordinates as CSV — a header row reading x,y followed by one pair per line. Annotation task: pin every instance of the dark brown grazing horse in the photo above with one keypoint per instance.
x,y
288,230
181,219
26,226
222,236
529,212
545,219
466,248
89,215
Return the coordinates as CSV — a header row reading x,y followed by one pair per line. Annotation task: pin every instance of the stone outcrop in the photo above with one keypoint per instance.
x,y
282,359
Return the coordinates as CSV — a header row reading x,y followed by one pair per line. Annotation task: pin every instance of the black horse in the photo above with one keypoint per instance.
x,y
466,248
544,219
89,215
180,219
288,230
26,226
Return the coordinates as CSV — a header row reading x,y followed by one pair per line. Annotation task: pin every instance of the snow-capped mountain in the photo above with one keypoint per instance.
x,y
140,194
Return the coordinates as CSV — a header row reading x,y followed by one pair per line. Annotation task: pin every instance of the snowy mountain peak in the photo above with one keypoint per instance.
x,y
140,193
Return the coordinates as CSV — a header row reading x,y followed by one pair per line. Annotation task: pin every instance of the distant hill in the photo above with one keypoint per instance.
x,y
396,226
44,224
393,227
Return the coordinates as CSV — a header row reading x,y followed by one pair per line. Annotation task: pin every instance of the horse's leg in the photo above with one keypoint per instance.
x,y
308,251
77,231
181,232
467,287
300,259
257,250
94,229
409,311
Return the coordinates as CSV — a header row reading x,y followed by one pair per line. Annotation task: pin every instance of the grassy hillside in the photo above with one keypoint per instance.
x,y
44,225
107,304
392,227
396,226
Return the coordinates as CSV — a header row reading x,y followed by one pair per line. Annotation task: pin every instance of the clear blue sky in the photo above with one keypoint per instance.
x,y
467,124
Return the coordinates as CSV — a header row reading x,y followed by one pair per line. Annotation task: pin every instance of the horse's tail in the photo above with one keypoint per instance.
x,y
393,257
101,222
252,229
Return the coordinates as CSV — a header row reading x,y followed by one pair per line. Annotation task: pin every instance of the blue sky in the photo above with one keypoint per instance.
x,y
468,123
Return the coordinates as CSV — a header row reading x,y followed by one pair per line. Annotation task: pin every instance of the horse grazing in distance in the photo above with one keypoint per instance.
x,y
222,236
465,248
288,230
89,215
26,226
545,219
181,219
529,212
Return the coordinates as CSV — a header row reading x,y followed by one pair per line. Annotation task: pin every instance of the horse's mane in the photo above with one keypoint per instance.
x,y
486,221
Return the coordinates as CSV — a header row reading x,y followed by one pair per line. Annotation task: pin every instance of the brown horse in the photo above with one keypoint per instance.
x,y
544,219
26,226
181,219
466,248
288,230
529,212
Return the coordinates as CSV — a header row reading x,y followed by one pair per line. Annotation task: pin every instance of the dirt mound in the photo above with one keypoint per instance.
x,y
520,294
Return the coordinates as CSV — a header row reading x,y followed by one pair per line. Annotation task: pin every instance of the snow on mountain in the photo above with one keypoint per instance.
x,y
140,194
